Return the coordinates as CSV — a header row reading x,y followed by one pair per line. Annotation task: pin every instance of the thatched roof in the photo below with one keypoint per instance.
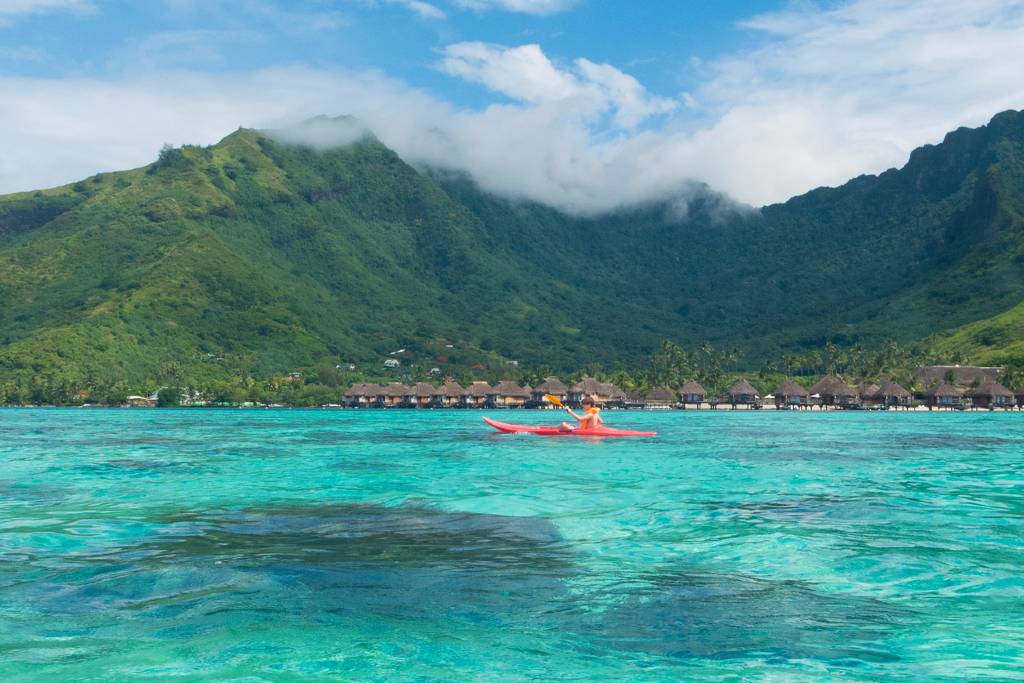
x,y
868,389
422,390
450,389
830,385
588,385
991,389
892,390
510,389
962,374
791,388
633,395
551,385
660,394
616,394
742,387
692,388
396,390
479,389
357,390
945,389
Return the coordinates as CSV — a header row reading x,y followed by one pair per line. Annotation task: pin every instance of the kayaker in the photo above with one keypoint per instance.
x,y
590,418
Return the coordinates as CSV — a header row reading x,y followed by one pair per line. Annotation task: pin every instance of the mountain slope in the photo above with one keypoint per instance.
x,y
258,257
913,251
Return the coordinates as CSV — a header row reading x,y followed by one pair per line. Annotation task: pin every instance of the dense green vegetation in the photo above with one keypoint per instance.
x,y
227,266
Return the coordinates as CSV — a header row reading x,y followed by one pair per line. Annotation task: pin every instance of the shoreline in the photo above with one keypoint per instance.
x,y
691,408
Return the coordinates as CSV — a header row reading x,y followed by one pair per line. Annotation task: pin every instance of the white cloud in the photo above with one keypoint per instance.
x,y
424,9
526,74
323,132
538,7
854,89
523,73
831,94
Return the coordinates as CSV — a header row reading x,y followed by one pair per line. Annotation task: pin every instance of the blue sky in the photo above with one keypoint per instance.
x,y
660,42
584,104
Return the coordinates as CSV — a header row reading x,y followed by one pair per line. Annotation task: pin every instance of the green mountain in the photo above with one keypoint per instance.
x,y
260,257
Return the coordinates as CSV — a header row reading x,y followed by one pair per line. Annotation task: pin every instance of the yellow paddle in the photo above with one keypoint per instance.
x,y
554,400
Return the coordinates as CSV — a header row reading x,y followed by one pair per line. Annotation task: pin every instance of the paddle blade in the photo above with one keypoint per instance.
x,y
553,400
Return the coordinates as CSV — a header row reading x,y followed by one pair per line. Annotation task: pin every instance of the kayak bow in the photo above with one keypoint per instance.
x,y
558,431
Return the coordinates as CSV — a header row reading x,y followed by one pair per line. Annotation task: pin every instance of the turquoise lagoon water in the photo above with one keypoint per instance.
x,y
272,545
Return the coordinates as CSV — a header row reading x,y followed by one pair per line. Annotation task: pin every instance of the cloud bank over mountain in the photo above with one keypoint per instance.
x,y
827,94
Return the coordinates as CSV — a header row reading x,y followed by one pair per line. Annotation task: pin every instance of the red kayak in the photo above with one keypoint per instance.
x,y
558,431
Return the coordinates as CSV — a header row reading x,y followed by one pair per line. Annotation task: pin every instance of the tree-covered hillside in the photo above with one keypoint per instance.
x,y
258,257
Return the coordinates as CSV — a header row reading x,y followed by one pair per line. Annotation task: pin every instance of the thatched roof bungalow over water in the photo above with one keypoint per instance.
x,y
448,394
510,395
394,393
867,391
692,392
659,397
790,393
601,392
742,392
478,394
992,395
892,394
550,385
834,391
363,395
617,396
945,396
420,394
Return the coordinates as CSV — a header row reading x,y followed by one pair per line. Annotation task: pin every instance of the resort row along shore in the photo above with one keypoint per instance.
x,y
938,387
948,388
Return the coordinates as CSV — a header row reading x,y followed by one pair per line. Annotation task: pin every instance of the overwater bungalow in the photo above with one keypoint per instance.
x,y
692,393
991,395
362,395
509,394
791,394
633,398
945,395
355,396
420,395
550,385
393,395
374,395
660,397
892,395
867,392
833,391
617,398
743,393
448,395
477,395
601,392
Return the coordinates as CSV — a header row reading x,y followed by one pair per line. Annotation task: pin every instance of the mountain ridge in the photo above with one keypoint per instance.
x,y
257,256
